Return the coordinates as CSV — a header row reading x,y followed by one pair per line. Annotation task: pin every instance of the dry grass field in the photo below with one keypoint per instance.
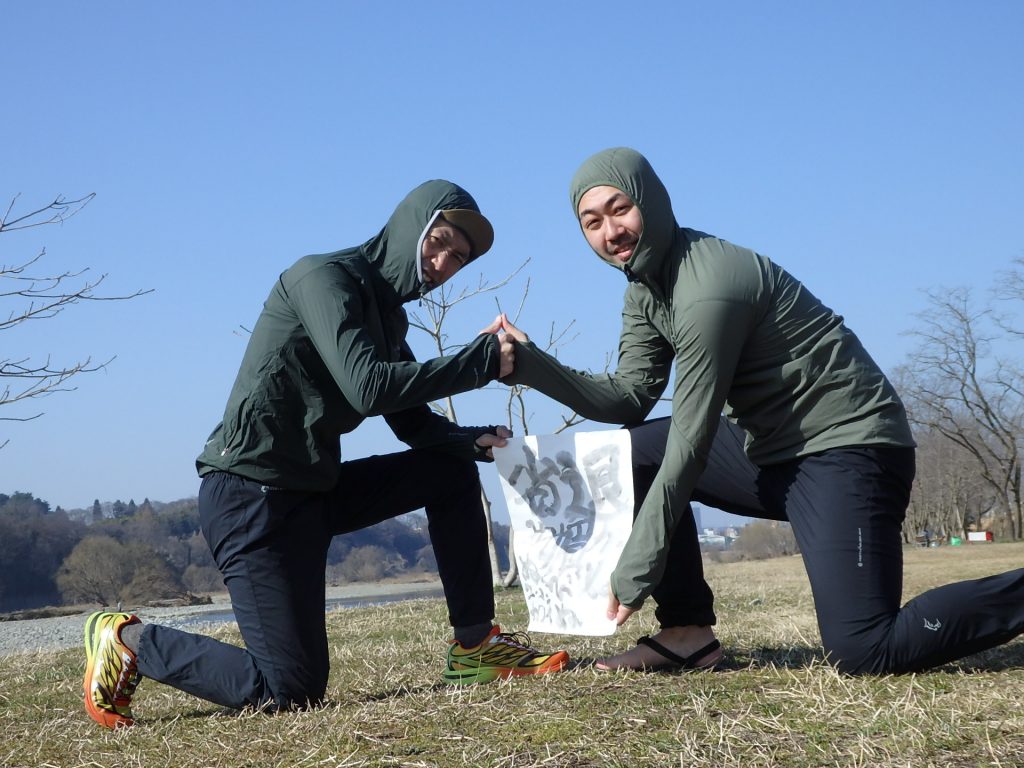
x,y
774,704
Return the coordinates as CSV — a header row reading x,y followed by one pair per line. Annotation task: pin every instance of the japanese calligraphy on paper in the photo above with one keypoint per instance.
x,y
570,500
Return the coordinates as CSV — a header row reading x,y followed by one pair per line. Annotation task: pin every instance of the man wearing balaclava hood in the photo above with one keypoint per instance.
x,y
815,434
327,351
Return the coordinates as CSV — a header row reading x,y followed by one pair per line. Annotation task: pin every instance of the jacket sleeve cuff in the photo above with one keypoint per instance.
x,y
494,357
529,359
628,592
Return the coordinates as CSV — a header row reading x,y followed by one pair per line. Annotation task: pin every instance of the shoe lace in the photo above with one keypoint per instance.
x,y
519,640
127,682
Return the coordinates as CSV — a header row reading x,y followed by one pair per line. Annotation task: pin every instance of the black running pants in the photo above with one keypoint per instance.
x,y
846,507
271,547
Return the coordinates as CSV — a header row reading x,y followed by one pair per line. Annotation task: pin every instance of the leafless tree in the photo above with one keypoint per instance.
x,y
962,384
949,496
1009,292
28,293
437,307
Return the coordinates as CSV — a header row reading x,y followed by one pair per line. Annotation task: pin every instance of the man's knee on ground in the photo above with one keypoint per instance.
x,y
855,656
297,689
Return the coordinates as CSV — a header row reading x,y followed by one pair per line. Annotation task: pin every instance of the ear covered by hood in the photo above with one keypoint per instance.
x,y
396,250
628,170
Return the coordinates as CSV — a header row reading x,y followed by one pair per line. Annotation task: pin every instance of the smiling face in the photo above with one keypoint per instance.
x,y
445,251
611,222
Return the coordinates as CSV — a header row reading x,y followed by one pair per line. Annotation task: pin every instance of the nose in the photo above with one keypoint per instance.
x,y
613,228
444,265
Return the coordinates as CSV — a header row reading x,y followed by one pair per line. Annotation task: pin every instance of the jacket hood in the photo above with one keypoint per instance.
x,y
628,170
395,251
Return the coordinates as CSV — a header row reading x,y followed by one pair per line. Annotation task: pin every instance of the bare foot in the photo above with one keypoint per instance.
x,y
682,641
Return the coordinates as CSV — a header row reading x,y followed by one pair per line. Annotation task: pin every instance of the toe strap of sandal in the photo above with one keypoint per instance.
x,y
686,662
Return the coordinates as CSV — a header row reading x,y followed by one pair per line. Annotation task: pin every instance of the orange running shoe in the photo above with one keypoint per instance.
x,y
111,674
499,655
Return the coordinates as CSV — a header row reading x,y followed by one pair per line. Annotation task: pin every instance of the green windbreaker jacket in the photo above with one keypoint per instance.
x,y
745,338
329,350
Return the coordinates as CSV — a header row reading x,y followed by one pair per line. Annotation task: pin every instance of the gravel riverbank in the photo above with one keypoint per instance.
x,y
56,633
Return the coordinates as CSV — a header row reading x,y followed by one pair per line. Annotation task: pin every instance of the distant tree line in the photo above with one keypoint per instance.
x,y
134,553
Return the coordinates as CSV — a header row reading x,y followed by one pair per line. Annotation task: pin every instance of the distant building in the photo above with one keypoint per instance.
x,y
708,537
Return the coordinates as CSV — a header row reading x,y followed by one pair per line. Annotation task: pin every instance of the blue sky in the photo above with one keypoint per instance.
x,y
873,149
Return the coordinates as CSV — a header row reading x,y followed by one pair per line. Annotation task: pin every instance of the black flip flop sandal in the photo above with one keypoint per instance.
x,y
675,660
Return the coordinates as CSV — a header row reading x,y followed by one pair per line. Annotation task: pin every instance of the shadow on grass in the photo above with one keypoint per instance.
x,y
400,693
790,657
195,714
442,687
1001,659
784,657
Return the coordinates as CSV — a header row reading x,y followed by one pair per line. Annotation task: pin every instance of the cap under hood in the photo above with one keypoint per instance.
x,y
396,250
628,170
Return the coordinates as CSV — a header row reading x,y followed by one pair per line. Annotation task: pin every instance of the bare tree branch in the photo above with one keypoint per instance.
x,y
436,310
27,294
57,212
443,299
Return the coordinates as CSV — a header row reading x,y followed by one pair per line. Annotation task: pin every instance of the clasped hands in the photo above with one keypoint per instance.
x,y
507,335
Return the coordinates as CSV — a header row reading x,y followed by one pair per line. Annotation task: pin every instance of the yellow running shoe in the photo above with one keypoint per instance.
x,y
111,674
499,655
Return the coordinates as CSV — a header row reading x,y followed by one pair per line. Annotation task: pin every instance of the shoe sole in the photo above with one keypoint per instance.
x,y
104,717
484,675
707,666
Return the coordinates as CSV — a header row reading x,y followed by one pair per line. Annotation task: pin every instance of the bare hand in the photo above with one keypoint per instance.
x,y
511,330
617,611
494,327
499,440
508,356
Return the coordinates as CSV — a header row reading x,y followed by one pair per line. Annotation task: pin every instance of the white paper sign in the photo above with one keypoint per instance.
x,y
570,500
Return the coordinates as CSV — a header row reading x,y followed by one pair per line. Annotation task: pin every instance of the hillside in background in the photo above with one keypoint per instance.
x,y
118,551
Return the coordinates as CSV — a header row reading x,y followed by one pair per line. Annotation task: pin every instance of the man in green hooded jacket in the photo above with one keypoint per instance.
x,y
813,433
328,351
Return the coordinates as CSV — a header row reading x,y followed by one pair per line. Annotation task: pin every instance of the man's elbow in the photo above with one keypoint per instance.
x,y
370,398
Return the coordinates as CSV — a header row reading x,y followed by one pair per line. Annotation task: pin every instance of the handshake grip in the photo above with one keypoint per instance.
x,y
508,336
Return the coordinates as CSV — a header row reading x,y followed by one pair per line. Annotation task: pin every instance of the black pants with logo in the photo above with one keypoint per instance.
x,y
271,547
846,507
